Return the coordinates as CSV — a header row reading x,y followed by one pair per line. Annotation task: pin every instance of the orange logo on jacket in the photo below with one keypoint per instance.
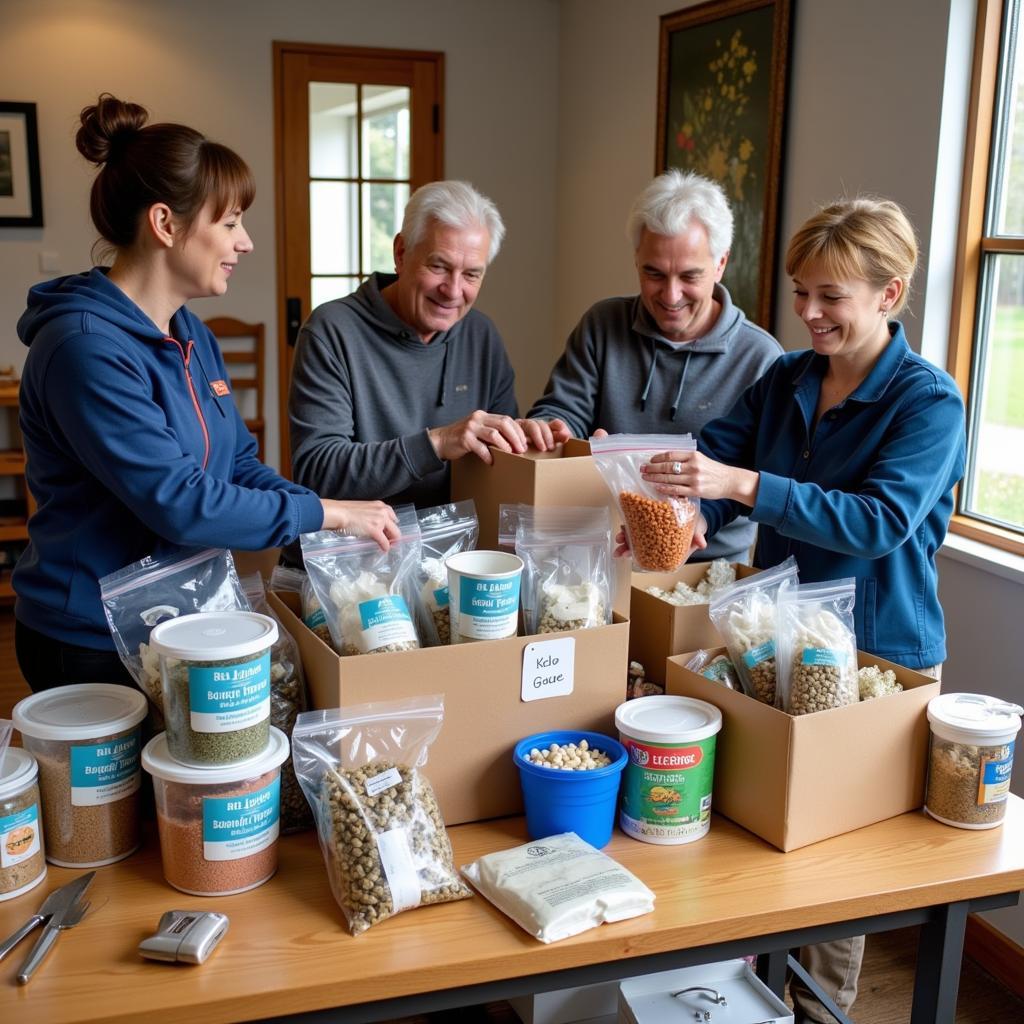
x,y
220,388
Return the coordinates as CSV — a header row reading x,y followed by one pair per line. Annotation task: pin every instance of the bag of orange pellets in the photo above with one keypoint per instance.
x,y
658,528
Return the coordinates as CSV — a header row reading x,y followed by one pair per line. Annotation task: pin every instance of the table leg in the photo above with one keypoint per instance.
x,y
771,969
939,956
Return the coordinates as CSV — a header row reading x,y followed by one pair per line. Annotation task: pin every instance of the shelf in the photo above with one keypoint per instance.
x,y
12,462
16,532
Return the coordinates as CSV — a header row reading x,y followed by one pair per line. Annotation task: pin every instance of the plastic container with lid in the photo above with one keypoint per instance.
x,y
86,738
666,791
218,826
215,674
22,863
970,758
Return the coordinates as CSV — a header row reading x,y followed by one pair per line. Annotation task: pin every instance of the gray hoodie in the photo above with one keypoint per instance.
x,y
365,390
618,372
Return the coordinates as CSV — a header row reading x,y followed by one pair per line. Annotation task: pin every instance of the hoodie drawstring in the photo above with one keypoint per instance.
x,y
650,375
679,390
444,376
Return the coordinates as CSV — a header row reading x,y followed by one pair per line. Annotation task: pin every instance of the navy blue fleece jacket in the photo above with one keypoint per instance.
x,y
134,447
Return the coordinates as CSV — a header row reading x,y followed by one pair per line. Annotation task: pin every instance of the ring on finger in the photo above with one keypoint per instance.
x,y
677,468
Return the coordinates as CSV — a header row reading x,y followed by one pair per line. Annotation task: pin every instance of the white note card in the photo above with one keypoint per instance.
x,y
548,668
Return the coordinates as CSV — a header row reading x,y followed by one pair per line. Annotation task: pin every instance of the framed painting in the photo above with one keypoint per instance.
x,y
21,197
722,75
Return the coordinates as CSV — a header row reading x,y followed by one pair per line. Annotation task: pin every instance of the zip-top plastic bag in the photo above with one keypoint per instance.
x,y
378,821
745,615
718,669
369,596
659,529
285,579
508,523
146,592
817,647
287,699
444,530
567,567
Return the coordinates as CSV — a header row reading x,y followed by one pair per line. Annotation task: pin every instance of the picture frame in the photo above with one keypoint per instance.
x,y
722,80
21,194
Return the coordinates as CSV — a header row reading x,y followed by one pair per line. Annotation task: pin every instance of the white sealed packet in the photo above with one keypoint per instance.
x,y
559,886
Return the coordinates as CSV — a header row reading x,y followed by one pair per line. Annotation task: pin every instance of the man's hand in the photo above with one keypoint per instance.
x,y
545,435
477,433
372,519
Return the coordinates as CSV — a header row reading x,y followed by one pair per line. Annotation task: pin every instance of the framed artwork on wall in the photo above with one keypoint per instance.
x,y
21,196
722,75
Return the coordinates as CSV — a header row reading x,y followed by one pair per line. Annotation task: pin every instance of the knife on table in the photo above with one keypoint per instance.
x,y
62,906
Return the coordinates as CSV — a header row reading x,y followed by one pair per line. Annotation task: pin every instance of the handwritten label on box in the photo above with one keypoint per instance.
x,y
548,668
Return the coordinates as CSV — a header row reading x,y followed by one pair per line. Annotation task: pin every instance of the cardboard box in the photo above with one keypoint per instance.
x,y
797,780
470,763
659,630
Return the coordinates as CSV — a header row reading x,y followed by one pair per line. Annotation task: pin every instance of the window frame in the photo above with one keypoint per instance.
x,y
973,244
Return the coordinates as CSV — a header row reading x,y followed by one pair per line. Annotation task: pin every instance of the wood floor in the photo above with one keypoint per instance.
x,y
886,982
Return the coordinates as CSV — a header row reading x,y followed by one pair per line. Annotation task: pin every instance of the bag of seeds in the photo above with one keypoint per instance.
x,y
817,647
146,592
284,580
659,529
745,616
444,530
287,699
719,669
370,597
567,559
378,821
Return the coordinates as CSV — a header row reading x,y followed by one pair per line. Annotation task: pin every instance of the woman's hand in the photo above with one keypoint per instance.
x,y
372,519
692,474
697,542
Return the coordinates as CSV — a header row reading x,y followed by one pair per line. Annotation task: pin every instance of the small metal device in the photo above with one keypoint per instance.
x,y
185,936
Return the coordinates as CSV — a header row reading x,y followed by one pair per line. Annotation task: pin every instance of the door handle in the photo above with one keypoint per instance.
x,y
293,318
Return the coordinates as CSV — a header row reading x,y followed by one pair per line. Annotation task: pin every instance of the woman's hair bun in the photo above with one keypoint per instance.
x,y
106,124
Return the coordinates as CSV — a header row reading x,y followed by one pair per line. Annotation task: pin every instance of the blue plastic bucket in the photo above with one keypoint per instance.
x,y
559,801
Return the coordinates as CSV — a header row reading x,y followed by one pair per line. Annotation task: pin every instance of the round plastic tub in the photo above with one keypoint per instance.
x,y
218,826
215,675
86,739
666,793
22,863
970,758
559,801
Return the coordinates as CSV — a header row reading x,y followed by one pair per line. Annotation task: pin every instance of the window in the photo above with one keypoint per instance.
x,y
987,344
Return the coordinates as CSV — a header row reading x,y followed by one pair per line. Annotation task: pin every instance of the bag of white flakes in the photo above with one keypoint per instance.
x,y
444,530
559,886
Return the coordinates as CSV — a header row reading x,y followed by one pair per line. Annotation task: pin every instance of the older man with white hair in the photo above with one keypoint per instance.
x,y
393,382
671,358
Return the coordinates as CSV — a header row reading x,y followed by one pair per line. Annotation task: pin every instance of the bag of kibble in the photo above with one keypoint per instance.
x,y
567,567
744,614
816,647
659,529
444,530
153,589
378,821
369,596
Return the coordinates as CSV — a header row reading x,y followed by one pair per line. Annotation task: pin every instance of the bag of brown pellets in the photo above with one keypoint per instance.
x,y
567,567
378,821
369,597
444,530
817,647
659,529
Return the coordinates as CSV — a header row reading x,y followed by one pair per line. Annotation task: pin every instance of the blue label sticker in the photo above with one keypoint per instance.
x,y
760,653
26,816
239,826
226,698
489,599
315,619
104,772
19,836
381,611
824,656
441,597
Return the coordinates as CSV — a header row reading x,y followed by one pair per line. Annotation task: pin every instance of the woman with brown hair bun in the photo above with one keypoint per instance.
x,y
134,444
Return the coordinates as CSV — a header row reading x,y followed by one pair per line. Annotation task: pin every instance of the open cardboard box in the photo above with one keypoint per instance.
x,y
470,763
659,629
796,780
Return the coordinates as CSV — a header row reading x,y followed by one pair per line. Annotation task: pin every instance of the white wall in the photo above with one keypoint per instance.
x,y
209,65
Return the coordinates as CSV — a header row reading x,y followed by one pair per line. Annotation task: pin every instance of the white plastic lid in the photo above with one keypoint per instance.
x,y
157,761
17,771
970,717
666,718
81,711
214,636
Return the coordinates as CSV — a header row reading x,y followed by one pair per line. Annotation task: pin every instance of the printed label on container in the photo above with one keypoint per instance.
x,y
385,620
19,836
396,859
824,656
548,668
760,653
718,671
488,609
104,772
239,826
441,597
666,793
226,698
314,619
994,782
386,780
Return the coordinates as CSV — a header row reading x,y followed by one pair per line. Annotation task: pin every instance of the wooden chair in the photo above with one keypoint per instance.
x,y
242,347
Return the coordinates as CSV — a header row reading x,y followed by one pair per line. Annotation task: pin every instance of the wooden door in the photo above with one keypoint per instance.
x,y
356,132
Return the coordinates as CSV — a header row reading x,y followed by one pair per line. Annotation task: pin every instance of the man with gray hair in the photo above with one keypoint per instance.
x,y
393,382
671,358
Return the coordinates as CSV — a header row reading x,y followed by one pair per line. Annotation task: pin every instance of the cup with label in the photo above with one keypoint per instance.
x,y
483,595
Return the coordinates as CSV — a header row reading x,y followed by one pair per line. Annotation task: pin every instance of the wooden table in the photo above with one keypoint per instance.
x,y
287,951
